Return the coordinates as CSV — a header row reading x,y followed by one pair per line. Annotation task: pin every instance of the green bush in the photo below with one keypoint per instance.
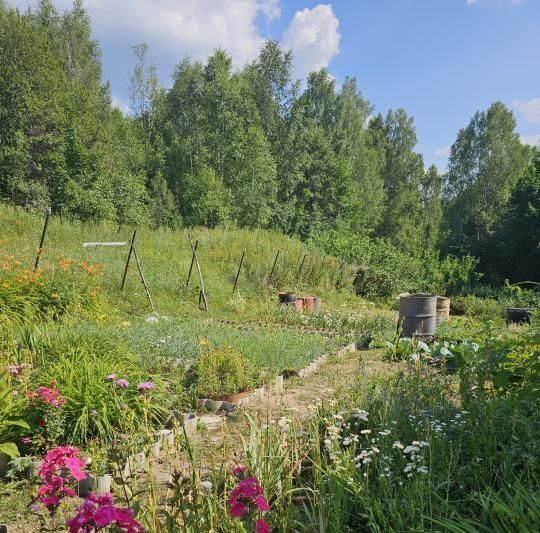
x,y
95,407
50,293
476,306
223,371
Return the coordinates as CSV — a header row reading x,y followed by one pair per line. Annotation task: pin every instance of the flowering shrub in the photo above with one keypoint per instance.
x,y
27,295
98,512
47,395
61,467
47,415
247,500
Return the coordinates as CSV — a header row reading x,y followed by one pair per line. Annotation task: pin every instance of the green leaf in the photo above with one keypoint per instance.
x,y
9,448
17,422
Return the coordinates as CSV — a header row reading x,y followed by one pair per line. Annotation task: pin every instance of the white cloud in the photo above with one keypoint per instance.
x,y
444,151
532,140
120,104
529,108
313,35
183,27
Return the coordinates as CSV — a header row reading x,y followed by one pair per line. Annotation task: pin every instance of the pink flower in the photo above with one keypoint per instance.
x,y
247,496
98,512
49,396
26,440
237,510
122,383
52,472
261,526
104,516
111,377
146,386
240,470
261,503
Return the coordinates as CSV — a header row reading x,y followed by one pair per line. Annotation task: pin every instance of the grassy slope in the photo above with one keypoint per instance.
x,y
165,256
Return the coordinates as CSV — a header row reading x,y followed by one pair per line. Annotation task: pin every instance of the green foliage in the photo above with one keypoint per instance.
x,y
511,251
485,164
12,405
79,363
222,371
26,295
381,270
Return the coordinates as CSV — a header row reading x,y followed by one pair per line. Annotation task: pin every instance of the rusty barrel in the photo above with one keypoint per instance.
x,y
443,309
308,303
417,315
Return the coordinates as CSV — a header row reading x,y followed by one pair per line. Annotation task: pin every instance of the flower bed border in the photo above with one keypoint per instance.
x,y
276,386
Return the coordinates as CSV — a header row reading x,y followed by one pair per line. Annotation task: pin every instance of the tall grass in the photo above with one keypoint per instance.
x,y
166,256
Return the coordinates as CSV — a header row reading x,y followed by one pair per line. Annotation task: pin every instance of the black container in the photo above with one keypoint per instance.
x,y
518,315
287,298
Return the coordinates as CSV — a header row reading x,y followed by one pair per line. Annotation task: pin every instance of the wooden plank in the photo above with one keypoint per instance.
x,y
103,244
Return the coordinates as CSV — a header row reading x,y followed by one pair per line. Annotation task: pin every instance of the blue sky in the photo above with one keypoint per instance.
x,y
441,60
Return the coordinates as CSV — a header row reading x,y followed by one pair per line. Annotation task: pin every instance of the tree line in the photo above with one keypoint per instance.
x,y
252,148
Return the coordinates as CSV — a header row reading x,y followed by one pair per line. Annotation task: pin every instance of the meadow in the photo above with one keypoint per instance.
x,y
402,435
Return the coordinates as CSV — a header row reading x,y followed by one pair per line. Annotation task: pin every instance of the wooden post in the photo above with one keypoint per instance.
x,y
191,266
143,280
202,293
128,260
273,267
238,273
42,241
300,268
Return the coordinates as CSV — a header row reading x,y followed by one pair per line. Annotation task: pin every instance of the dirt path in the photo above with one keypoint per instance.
x,y
217,440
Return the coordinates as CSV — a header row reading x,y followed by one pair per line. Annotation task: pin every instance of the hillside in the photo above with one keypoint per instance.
x,y
165,256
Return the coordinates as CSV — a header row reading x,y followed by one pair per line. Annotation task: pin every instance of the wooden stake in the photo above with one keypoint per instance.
x,y
202,293
143,280
301,266
128,260
191,266
238,273
42,241
273,267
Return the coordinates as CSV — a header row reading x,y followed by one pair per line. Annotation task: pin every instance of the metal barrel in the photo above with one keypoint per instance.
x,y
518,315
417,315
443,309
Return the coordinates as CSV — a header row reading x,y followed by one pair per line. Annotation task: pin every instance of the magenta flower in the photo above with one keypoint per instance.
x,y
60,467
122,383
237,510
261,526
240,470
146,386
248,497
111,377
98,512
